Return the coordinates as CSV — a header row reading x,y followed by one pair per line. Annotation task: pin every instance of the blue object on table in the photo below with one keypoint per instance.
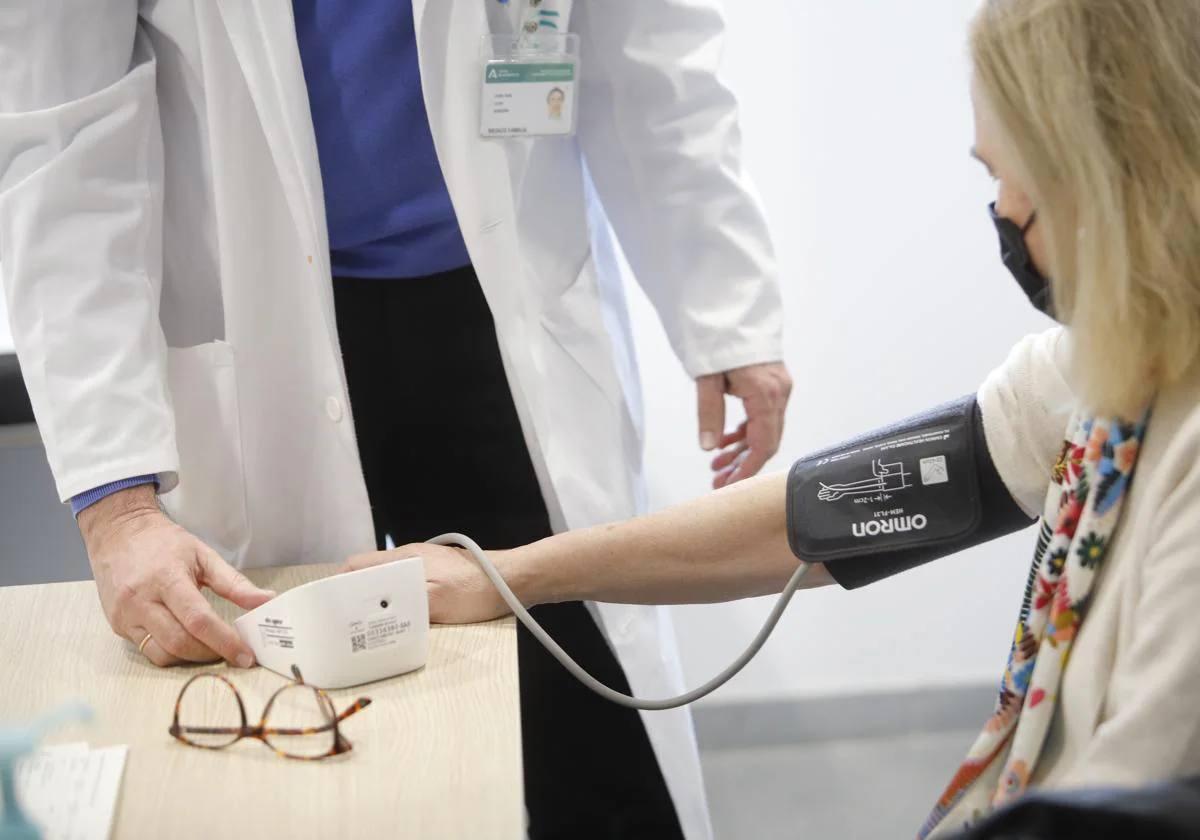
x,y
16,743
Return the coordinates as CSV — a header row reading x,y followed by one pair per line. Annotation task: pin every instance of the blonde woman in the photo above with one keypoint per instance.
x,y
1088,117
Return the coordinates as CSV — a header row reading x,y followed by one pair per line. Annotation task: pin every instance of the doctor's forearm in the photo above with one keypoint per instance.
x,y
727,545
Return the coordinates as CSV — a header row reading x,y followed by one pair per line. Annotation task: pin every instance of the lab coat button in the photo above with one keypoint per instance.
x,y
333,408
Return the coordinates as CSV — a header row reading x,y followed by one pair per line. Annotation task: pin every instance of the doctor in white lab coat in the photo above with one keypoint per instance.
x,y
166,263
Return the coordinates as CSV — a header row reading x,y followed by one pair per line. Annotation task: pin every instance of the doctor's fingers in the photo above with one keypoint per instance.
x,y
228,582
169,643
765,391
182,597
736,436
710,408
729,455
151,650
764,430
725,475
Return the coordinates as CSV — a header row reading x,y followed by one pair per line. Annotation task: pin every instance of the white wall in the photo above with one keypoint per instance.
x,y
857,128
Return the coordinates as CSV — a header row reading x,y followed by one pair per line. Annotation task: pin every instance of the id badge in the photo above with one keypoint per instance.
x,y
529,85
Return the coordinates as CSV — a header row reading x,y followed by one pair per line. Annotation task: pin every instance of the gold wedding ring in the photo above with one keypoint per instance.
x,y
142,646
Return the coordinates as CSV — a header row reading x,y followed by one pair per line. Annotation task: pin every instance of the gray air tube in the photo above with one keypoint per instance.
x,y
587,679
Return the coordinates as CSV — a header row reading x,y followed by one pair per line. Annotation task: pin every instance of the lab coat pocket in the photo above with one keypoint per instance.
x,y
210,500
575,321
590,452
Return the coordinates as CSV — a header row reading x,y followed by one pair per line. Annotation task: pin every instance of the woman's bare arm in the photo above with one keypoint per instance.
x,y
726,545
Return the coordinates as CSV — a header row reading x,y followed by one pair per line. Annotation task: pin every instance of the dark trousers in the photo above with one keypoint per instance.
x,y
442,450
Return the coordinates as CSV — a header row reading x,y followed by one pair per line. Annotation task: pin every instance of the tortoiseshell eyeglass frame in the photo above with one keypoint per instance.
x,y
262,732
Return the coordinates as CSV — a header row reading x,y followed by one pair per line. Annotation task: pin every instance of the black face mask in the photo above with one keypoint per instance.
x,y
1015,255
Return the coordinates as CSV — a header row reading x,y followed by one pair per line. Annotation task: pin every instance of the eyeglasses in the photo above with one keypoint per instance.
x,y
299,720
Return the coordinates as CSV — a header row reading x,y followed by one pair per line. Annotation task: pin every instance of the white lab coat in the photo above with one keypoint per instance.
x,y
165,261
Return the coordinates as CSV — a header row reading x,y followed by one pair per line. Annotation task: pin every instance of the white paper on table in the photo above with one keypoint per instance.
x,y
70,791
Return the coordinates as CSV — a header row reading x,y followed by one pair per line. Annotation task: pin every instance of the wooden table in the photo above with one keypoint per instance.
x,y
437,755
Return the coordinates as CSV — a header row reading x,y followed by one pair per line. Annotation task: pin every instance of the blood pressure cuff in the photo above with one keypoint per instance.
x,y
899,497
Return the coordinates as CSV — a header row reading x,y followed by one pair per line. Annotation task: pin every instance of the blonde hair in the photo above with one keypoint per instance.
x,y
1099,103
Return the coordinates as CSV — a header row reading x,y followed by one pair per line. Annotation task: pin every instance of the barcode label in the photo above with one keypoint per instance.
x,y
358,642
275,633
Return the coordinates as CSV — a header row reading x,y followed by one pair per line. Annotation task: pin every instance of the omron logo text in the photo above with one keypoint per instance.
x,y
895,525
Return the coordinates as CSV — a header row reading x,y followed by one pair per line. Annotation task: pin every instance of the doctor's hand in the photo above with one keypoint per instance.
x,y
149,572
459,591
764,390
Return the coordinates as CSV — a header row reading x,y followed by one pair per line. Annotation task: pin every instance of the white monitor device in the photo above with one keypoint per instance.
x,y
347,629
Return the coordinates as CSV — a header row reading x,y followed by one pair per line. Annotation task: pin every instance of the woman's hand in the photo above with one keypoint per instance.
x,y
459,591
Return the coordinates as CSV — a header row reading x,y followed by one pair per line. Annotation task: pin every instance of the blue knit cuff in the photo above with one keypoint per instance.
x,y
85,500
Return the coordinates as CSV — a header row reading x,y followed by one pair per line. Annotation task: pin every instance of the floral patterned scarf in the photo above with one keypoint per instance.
x,y
1083,505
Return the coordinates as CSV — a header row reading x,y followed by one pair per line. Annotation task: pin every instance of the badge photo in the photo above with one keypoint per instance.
x,y
528,85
